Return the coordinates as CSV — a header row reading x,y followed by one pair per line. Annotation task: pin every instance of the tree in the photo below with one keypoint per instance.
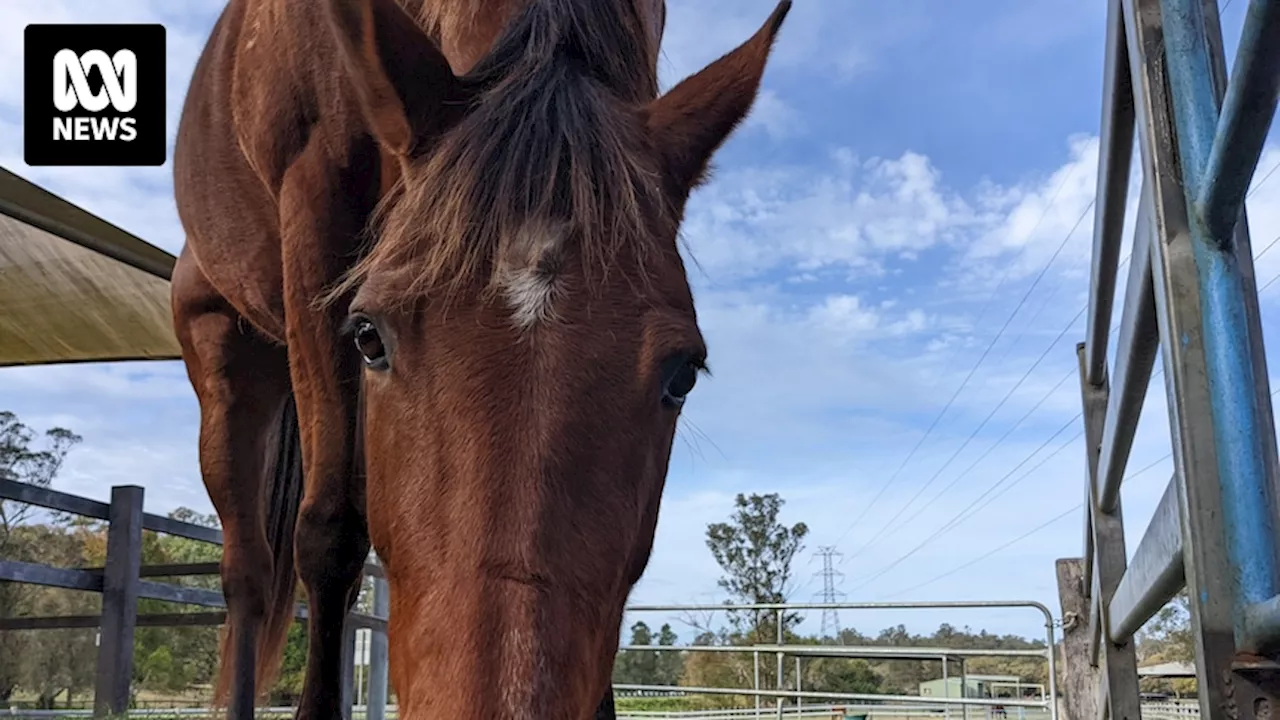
x,y
174,658
637,667
755,551
670,663
841,675
293,665
1167,637
649,667
714,669
21,460
54,662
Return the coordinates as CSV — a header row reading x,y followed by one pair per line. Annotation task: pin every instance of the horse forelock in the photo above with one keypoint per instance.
x,y
549,165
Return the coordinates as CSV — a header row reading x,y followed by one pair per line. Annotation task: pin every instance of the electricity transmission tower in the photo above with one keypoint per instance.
x,y
830,617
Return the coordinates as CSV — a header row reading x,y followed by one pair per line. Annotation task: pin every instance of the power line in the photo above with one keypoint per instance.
x,y
951,401
1014,541
968,377
995,491
973,508
961,517
1277,275
937,473
1040,220
1264,179
1003,276
907,523
974,434
1028,534
960,520
953,523
986,555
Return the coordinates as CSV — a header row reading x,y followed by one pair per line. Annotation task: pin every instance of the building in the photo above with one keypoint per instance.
x,y
981,686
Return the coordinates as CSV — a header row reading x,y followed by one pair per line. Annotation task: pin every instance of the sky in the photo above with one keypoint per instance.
x,y
889,266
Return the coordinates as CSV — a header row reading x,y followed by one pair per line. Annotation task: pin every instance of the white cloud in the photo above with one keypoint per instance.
x,y
775,116
844,314
852,214
828,38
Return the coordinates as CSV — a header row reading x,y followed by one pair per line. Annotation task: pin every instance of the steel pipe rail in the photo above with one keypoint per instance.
x,y
1247,113
1115,149
1192,293
857,697
934,653
1210,146
942,605
850,651
1135,357
1156,574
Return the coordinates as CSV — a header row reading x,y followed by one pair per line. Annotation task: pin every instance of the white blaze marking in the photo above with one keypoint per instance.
x,y
528,286
531,294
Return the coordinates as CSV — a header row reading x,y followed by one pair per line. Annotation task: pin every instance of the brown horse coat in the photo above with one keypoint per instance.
x,y
482,145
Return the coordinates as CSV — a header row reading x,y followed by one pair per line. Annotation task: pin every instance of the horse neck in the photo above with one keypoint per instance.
x,y
464,29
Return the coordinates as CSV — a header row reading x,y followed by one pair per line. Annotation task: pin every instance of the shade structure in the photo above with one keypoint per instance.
x,y
74,287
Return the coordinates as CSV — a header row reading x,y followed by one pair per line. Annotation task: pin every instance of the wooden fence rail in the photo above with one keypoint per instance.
x,y
121,584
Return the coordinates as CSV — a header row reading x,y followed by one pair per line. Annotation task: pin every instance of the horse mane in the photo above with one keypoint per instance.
x,y
553,140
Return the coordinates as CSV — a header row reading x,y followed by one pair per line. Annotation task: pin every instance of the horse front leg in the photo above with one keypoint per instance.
x,y
241,381
319,222
606,710
331,541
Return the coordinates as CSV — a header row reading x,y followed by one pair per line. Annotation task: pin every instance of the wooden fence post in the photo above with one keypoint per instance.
x,y
119,602
1080,680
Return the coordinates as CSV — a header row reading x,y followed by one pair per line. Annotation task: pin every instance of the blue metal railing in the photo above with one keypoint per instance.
x,y
1191,293
1219,154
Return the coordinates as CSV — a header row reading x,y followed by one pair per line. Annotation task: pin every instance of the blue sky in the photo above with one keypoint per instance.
x,y
910,177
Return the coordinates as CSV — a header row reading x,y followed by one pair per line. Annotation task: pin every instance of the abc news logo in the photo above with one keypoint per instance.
x,y
94,95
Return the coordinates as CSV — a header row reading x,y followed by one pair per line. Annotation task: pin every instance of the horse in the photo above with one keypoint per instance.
x,y
431,300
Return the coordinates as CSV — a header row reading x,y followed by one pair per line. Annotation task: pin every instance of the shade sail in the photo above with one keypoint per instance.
x,y
75,288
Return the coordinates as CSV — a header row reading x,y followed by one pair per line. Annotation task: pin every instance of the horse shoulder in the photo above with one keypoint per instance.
x,y
273,103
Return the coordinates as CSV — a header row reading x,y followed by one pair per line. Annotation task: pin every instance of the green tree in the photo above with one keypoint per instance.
x,y
637,667
1167,637
56,662
171,659
841,675
22,460
715,669
670,665
649,667
755,550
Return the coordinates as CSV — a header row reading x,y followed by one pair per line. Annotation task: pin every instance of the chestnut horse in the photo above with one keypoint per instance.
x,y
431,298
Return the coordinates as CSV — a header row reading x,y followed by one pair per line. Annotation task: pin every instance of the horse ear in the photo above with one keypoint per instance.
x,y
691,121
407,90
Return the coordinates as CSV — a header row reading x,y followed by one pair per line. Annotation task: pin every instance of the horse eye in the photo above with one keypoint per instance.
x,y
369,344
680,384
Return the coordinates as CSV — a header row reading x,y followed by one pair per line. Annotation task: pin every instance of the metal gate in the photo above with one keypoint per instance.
x,y
937,707
1191,293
